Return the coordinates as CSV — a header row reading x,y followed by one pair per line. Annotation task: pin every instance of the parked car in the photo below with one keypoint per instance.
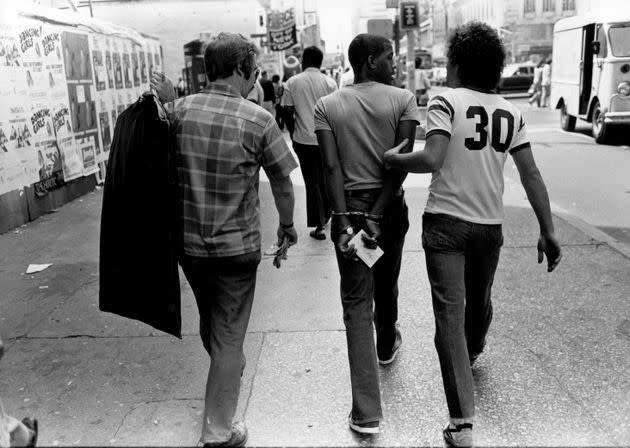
x,y
516,78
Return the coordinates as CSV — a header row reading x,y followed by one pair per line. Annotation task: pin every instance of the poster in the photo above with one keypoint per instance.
x,y
281,31
87,151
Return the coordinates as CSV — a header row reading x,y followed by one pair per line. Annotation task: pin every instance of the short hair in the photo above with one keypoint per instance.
x,y
364,46
225,53
312,57
479,54
263,73
275,78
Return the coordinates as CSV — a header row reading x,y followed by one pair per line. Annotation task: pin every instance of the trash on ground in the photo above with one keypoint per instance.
x,y
33,268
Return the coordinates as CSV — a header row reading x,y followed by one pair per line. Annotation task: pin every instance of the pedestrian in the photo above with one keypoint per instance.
x,y
257,94
15,433
423,84
536,87
347,79
546,83
222,142
278,87
269,94
470,131
181,89
355,126
300,95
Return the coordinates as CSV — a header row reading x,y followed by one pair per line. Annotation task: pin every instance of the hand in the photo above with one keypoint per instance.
x,y
342,244
163,87
550,247
391,154
290,233
372,234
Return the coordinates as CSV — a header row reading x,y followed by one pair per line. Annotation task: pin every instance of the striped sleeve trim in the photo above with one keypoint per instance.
x,y
519,147
440,108
446,103
438,131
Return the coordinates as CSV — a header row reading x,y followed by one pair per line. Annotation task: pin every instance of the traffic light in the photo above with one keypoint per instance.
x,y
261,20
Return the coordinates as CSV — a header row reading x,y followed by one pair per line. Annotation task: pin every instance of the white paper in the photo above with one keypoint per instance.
x,y
33,268
367,255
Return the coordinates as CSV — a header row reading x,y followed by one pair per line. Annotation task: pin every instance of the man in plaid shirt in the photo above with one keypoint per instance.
x,y
222,142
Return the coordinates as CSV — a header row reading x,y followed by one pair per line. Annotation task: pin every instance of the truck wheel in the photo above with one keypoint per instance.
x,y
567,122
601,131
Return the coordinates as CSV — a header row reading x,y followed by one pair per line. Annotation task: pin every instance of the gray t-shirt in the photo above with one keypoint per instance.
x,y
364,118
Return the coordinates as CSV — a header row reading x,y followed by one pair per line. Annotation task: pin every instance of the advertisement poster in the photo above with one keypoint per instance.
x,y
143,67
87,150
281,31
81,95
98,62
126,64
15,137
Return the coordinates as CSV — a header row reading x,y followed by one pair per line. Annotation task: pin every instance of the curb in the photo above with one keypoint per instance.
x,y
592,231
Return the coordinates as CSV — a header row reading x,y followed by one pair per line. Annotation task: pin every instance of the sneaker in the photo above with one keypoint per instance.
x,y
363,428
237,438
318,233
388,358
458,435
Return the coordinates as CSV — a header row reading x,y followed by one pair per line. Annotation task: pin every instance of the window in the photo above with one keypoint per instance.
x,y
620,40
530,6
568,5
549,5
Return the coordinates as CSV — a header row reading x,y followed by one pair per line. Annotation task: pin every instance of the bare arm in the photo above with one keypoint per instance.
x,y
289,118
539,199
428,160
394,178
284,198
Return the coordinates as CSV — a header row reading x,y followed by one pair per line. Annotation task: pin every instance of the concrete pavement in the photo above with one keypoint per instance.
x,y
555,371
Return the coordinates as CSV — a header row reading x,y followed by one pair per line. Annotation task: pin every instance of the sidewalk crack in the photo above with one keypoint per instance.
x,y
256,365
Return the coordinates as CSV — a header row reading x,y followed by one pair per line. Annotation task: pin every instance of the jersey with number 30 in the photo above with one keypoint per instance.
x,y
483,128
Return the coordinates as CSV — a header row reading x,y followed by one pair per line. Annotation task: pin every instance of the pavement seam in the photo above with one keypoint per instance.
x,y
256,365
563,388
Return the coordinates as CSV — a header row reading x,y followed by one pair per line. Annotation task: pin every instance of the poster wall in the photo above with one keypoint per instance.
x,y
62,89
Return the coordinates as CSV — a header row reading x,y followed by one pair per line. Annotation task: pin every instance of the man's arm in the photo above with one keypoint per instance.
x,y
539,199
335,188
394,178
428,160
289,119
282,190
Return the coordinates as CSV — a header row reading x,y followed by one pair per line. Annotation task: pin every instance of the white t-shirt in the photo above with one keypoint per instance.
x,y
347,79
483,128
302,92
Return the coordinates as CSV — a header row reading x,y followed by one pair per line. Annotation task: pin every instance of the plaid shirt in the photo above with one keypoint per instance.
x,y
222,141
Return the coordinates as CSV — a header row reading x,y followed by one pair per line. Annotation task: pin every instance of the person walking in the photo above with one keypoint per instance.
x,y
301,92
423,84
222,142
546,83
355,126
537,85
470,132
278,88
269,94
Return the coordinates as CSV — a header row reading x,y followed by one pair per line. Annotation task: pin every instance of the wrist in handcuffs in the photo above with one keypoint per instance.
x,y
286,226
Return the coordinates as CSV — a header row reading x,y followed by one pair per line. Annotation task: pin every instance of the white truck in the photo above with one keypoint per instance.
x,y
590,76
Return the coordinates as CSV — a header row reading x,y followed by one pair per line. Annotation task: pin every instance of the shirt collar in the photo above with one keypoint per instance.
x,y
221,89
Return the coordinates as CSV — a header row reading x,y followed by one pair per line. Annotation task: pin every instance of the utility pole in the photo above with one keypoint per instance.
x,y
410,21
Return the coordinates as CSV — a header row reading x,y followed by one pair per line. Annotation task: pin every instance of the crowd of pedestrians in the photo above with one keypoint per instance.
x,y
355,146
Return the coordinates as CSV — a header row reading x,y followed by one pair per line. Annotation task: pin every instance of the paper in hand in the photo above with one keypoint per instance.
x,y
367,255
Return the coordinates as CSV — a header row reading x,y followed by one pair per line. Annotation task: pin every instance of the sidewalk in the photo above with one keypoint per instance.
x,y
555,371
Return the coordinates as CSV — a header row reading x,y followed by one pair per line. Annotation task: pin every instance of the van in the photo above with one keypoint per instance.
x,y
590,76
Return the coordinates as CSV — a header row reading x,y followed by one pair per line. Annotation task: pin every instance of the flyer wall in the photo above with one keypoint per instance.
x,y
64,79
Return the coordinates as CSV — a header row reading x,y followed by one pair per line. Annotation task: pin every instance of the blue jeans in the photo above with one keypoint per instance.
x,y
368,297
461,258
224,290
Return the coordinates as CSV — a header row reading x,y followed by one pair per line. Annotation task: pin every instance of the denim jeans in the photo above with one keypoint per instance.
x,y
461,258
224,290
368,297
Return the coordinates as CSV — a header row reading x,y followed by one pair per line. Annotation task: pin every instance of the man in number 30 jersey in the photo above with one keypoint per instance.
x,y
470,132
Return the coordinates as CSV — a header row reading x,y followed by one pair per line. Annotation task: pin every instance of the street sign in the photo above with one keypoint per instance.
x,y
391,3
409,15
381,27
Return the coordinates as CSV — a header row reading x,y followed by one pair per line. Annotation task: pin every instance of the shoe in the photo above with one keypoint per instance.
x,y
388,358
318,233
363,428
459,435
237,438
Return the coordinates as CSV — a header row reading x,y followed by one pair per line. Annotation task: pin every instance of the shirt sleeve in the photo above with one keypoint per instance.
x,y
521,139
440,113
287,97
410,108
321,119
276,158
